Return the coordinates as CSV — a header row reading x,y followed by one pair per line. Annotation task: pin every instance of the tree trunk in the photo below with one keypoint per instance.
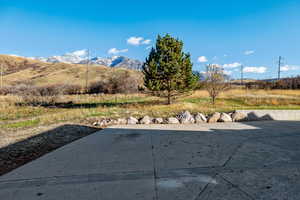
x,y
169,97
213,100
169,93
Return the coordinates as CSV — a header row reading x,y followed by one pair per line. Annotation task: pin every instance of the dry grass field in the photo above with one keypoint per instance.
x,y
86,107
20,70
21,120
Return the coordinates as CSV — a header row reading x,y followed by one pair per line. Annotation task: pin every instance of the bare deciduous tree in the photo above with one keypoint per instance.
x,y
215,82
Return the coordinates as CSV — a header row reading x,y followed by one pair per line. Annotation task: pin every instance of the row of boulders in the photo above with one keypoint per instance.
x,y
183,118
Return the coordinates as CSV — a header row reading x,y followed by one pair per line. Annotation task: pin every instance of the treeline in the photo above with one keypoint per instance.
x,y
121,83
286,83
124,82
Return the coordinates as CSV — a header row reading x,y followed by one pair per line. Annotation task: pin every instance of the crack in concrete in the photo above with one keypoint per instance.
x,y
234,153
154,168
256,138
203,190
237,187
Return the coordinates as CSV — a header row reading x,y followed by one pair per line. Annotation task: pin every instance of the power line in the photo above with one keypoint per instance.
x,y
242,74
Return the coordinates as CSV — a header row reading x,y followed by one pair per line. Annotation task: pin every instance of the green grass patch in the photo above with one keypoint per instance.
x,y
197,100
21,124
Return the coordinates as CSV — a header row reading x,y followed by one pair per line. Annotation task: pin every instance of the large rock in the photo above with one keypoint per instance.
x,y
200,118
214,118
102,123
239,117
186,118
225,118
96,123
132,120
172,120
146,120
121,121
158,120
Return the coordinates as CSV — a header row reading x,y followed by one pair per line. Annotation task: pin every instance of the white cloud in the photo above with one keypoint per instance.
x,y
148,47
232,65
202,59
116,51
137,41
249,52
227,72
146,41
14,55
258,70
289,68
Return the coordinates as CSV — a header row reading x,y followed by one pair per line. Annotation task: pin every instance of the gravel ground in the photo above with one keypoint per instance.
x,y
20,147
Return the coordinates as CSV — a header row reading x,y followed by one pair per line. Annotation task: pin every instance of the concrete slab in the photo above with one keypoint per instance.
x,y
267,184
193,150
235,161
97,153
224,190
267,151
89,190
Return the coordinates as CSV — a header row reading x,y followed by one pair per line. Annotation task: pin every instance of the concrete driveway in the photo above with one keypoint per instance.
x,y
235,161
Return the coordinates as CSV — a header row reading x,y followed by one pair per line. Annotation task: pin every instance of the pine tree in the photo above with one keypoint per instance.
x,y
168,70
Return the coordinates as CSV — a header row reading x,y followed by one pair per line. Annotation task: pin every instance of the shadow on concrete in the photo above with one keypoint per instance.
x,y
254,117
20,153
262,125
251,160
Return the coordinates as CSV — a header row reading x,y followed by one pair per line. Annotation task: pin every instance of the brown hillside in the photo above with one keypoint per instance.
x,y
19,70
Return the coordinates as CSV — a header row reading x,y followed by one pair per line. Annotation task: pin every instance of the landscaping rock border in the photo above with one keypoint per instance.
x,y
187,117
184,117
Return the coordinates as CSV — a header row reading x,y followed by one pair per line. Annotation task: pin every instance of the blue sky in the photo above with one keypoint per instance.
x,y
222,31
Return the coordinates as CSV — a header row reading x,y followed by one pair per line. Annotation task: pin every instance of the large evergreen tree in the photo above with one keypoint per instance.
x,y
168,70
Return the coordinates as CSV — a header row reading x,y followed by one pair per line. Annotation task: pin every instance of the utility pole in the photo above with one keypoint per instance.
x,y
242,74
208,69
279,67
87,72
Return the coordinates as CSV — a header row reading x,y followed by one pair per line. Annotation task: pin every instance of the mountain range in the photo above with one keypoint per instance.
x,y
82,57
17,70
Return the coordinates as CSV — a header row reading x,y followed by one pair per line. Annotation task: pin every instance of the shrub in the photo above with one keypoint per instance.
x,y
5,90
215,82
69,89
43,95
122,82
285,83
97,87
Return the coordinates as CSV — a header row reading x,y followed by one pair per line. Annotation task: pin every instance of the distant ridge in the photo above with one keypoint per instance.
x,y
81,57
18,70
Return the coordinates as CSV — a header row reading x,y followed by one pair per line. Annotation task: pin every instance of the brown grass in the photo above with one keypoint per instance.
x,y
21,70
87,107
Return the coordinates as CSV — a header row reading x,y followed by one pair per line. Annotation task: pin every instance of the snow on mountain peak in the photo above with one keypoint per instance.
x,y
81,57
79,53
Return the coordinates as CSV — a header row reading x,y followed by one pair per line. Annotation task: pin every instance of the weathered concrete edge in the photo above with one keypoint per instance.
x,y
284,115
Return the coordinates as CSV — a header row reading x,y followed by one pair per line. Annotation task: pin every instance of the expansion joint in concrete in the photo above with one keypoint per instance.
x,y
237,187
154,168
